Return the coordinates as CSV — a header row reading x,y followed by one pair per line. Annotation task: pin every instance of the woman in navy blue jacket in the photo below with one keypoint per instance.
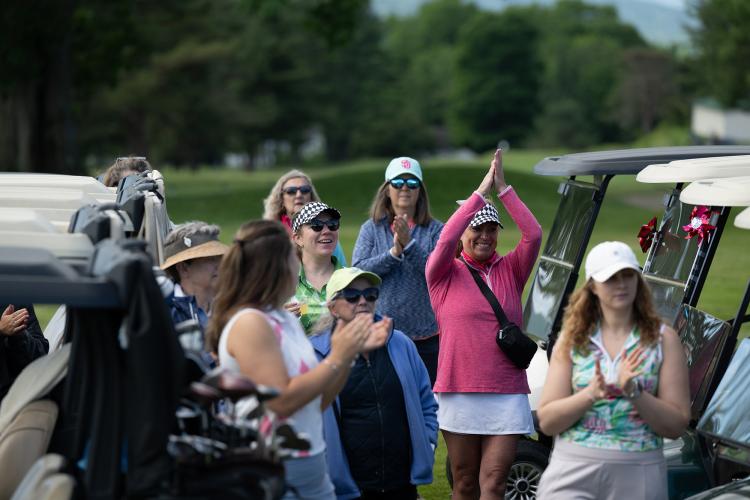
x,y
381,431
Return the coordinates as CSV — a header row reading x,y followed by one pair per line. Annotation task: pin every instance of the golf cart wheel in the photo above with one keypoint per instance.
x,y
523,478
526,471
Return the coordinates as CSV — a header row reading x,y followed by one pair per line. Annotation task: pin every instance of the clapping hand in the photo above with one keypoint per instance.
x,y
597,387
629,368
349,340
378,334
12,321
401,230
499,177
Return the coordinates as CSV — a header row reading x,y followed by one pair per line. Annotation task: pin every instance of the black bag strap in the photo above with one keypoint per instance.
x,y
489,295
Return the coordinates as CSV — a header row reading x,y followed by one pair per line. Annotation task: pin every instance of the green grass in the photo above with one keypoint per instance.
x,y
230,197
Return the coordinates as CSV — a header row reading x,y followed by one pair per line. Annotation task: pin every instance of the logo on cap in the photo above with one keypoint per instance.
x,y
188,243
405,164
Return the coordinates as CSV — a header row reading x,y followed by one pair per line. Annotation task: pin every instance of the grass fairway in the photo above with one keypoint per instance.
x,y
228,198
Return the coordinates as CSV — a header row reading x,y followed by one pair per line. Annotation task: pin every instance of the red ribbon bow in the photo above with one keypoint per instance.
x,y
699,223
646,235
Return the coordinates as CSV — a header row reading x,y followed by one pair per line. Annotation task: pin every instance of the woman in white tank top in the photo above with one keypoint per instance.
x,y
253,334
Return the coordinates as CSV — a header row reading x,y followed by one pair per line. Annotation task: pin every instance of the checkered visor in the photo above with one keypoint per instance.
x,y
488,213
310,211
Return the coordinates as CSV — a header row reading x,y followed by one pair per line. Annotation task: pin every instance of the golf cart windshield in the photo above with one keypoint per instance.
x,y
568,234
667,268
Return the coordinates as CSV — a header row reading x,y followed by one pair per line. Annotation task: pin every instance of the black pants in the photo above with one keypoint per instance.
x,y
428,350
408,492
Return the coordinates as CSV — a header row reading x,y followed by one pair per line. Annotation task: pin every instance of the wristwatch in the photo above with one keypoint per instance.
x,y
635,389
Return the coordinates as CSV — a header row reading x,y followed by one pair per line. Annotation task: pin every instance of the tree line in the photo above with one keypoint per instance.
x,y
186,81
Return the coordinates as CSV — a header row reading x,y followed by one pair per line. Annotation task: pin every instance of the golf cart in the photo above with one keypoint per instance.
x,y
118,410
675,280
724,425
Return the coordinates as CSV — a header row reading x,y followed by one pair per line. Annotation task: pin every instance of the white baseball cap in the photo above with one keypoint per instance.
x,y
403,165
607,258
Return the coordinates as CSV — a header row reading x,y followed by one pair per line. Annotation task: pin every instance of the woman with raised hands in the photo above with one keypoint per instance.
x,y
482,395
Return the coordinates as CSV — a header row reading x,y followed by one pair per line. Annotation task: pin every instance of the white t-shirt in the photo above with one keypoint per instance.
x,y
299,357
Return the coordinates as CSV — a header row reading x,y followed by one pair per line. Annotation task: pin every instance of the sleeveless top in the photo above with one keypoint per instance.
x,y
613,423
299,357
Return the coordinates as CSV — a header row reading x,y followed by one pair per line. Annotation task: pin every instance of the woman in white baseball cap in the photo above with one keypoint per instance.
x,y
616,386
394,243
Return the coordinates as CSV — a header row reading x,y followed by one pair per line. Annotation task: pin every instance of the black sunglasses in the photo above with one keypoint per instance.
x,y
411,183
352,295
317,224
292,190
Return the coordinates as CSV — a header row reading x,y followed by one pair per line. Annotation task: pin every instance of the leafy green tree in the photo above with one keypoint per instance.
x,y
723,42
496,80
582,49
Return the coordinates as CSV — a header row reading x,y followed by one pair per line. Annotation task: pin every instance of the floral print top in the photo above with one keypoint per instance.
x,y
613,423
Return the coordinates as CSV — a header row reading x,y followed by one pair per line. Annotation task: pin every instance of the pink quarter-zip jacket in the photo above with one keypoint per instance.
x,y
469,359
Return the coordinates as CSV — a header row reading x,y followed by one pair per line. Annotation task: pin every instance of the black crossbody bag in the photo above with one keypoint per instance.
x,y
518,346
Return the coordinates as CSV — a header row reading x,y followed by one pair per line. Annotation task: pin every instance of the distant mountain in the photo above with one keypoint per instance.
x,y
662,22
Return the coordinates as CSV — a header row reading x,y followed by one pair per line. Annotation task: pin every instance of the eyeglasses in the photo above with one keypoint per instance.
x,y
352,295
411,183
292,190
317,224
136,158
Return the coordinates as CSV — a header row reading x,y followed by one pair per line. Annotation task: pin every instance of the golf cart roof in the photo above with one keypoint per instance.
x,y
49,197
729,192
628,161
26,219
78,182
743,219
696,169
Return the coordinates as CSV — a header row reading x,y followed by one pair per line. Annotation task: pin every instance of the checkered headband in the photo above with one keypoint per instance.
x,y
310,211
488,213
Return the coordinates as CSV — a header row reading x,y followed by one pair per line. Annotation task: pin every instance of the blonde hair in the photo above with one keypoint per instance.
x,y
583,314
254,272
273,204
381,206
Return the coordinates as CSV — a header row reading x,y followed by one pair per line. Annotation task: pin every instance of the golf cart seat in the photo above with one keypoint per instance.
x,y
26,420
44,481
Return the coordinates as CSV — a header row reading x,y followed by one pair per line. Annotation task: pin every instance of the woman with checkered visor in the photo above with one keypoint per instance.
x,y
315,232
482,396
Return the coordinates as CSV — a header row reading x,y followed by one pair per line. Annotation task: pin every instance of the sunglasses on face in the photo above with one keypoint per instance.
x,y
317,225
352,295
292,190
410,183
